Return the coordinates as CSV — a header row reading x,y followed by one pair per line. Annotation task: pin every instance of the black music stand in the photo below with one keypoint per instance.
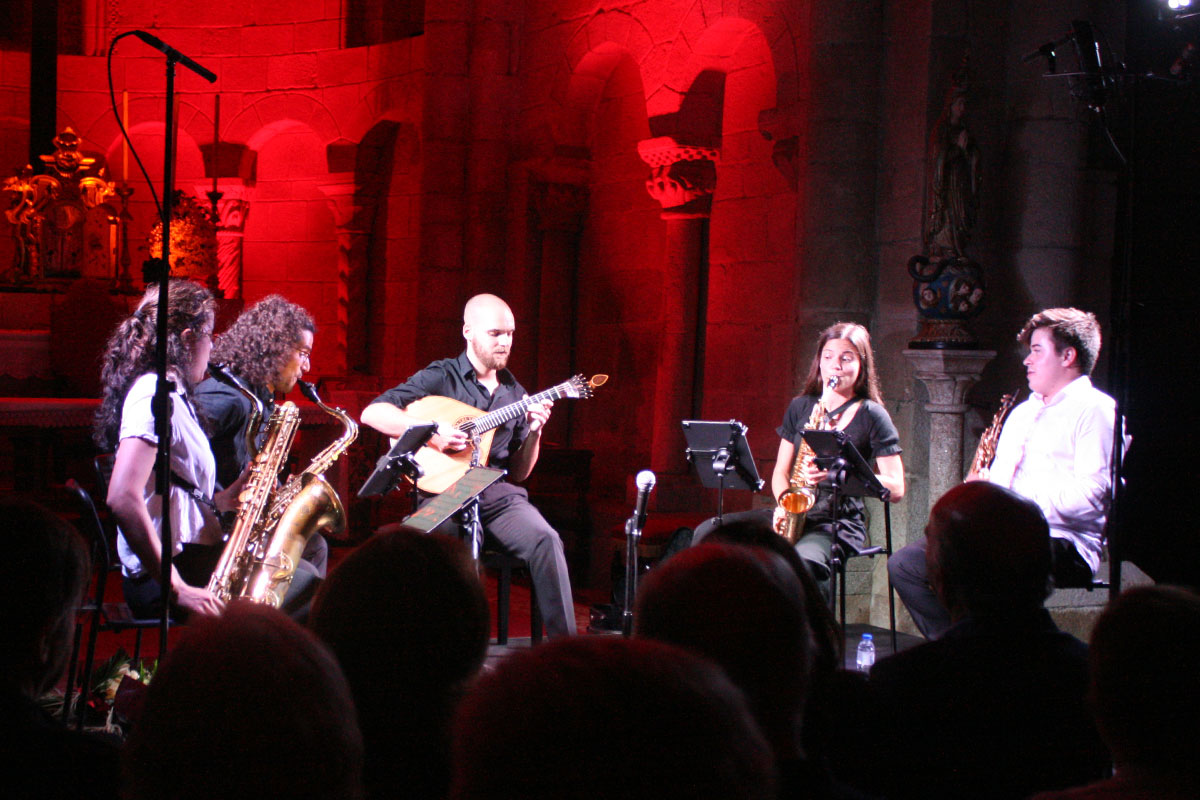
x,y
721,455
399,461
462,497
851,476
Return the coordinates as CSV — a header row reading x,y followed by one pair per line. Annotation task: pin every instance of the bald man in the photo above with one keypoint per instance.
x,y
479,378
995,707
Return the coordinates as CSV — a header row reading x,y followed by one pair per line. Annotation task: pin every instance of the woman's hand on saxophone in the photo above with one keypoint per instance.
x,y
812,474
196,599
229,498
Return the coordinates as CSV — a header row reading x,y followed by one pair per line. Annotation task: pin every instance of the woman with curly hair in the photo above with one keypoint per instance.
x,y
268,347
125,421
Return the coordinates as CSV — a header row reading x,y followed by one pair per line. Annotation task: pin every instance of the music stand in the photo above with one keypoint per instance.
x,y
462,496
399,461
851,476
721,455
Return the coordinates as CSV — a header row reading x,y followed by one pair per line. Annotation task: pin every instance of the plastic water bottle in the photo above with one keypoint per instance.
x,y
865,658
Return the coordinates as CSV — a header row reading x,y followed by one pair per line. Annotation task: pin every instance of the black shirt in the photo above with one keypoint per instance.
x,y
455,378
223,412
871,432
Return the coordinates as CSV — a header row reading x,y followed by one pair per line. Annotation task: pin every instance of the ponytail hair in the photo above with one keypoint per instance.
x,y
131,348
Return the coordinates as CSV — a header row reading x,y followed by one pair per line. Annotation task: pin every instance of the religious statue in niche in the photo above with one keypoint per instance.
x,y
193,241
65,224
948,286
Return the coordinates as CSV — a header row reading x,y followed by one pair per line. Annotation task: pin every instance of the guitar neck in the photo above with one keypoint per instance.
x,y
496,418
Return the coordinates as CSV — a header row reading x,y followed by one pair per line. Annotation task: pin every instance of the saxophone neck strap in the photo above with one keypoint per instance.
x,y
194,491
837,412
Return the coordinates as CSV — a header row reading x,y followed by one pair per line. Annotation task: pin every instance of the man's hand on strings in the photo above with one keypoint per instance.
x,y
538,414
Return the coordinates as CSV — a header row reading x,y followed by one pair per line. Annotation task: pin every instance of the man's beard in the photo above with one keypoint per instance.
x,y
490,360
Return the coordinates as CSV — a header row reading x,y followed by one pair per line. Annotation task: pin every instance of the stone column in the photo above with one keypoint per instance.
x,y
232,209
558,212
682,179
947,375
350,332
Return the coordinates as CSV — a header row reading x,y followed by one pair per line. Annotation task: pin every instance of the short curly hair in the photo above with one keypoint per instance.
x,y
1069,327
261,341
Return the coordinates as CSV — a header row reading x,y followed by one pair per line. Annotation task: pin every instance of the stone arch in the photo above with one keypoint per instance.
x,y
715,47
592,54
395,100
259,115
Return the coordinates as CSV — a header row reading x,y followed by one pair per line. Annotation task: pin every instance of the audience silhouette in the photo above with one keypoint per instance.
x,y
994,708
43,576
407,617
1145,694
603,717
247,705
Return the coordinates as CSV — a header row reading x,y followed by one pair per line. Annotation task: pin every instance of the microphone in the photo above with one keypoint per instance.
x,y
1048,50
175,55
645,484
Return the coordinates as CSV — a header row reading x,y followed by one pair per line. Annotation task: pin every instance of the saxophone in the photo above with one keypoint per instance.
x,y
305,504
800,495
985,453
273,526
241,555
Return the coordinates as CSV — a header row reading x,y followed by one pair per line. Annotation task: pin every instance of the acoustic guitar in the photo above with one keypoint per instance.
x,y
443,469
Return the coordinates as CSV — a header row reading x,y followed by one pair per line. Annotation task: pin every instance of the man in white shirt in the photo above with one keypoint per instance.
x,y
1055,449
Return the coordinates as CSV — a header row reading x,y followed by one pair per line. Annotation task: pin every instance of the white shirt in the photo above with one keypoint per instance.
x,y
191,458
1058,454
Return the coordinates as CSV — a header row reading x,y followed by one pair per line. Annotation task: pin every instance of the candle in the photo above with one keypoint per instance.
x,y
216,140
125,138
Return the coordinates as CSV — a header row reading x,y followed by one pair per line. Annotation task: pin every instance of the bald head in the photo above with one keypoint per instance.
x,y
989,550
488,326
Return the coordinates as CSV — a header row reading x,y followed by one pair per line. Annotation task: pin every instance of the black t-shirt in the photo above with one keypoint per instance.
x,y
223,412
870,431
455,378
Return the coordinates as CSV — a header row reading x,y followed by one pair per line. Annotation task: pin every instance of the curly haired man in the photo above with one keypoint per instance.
x,y
268,347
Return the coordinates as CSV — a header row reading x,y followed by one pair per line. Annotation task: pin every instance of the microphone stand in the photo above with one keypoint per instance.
x,y
633,537
162,405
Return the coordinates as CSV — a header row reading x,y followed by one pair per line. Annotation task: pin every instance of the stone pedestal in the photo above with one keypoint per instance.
x,y
947,375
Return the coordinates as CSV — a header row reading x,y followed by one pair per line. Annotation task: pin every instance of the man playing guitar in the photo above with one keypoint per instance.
x,y
479,378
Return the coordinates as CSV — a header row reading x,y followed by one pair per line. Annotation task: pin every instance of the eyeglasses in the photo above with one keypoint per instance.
x,y
304,353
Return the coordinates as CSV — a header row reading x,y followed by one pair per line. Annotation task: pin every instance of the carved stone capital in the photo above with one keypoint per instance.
x,y
341,195
682,177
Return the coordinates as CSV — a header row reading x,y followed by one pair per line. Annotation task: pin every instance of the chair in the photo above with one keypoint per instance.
x,y
505,564
843,551
105,616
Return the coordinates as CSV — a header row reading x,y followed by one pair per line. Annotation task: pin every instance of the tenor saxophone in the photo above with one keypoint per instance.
x,y
800,496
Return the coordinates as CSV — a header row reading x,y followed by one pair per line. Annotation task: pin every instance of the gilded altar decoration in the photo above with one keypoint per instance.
x,y
65,222
193,241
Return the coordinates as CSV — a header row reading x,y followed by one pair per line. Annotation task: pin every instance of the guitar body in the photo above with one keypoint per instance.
x,y
443,469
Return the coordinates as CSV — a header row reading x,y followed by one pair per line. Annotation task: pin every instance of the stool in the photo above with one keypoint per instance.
x,y
505,564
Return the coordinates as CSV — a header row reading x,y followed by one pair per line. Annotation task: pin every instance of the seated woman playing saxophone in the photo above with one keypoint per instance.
x,y
841,390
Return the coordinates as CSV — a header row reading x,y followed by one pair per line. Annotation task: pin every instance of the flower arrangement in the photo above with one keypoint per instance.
x,y
114,692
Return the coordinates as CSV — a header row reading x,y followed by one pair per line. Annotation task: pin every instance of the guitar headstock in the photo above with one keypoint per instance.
x,y
581,388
